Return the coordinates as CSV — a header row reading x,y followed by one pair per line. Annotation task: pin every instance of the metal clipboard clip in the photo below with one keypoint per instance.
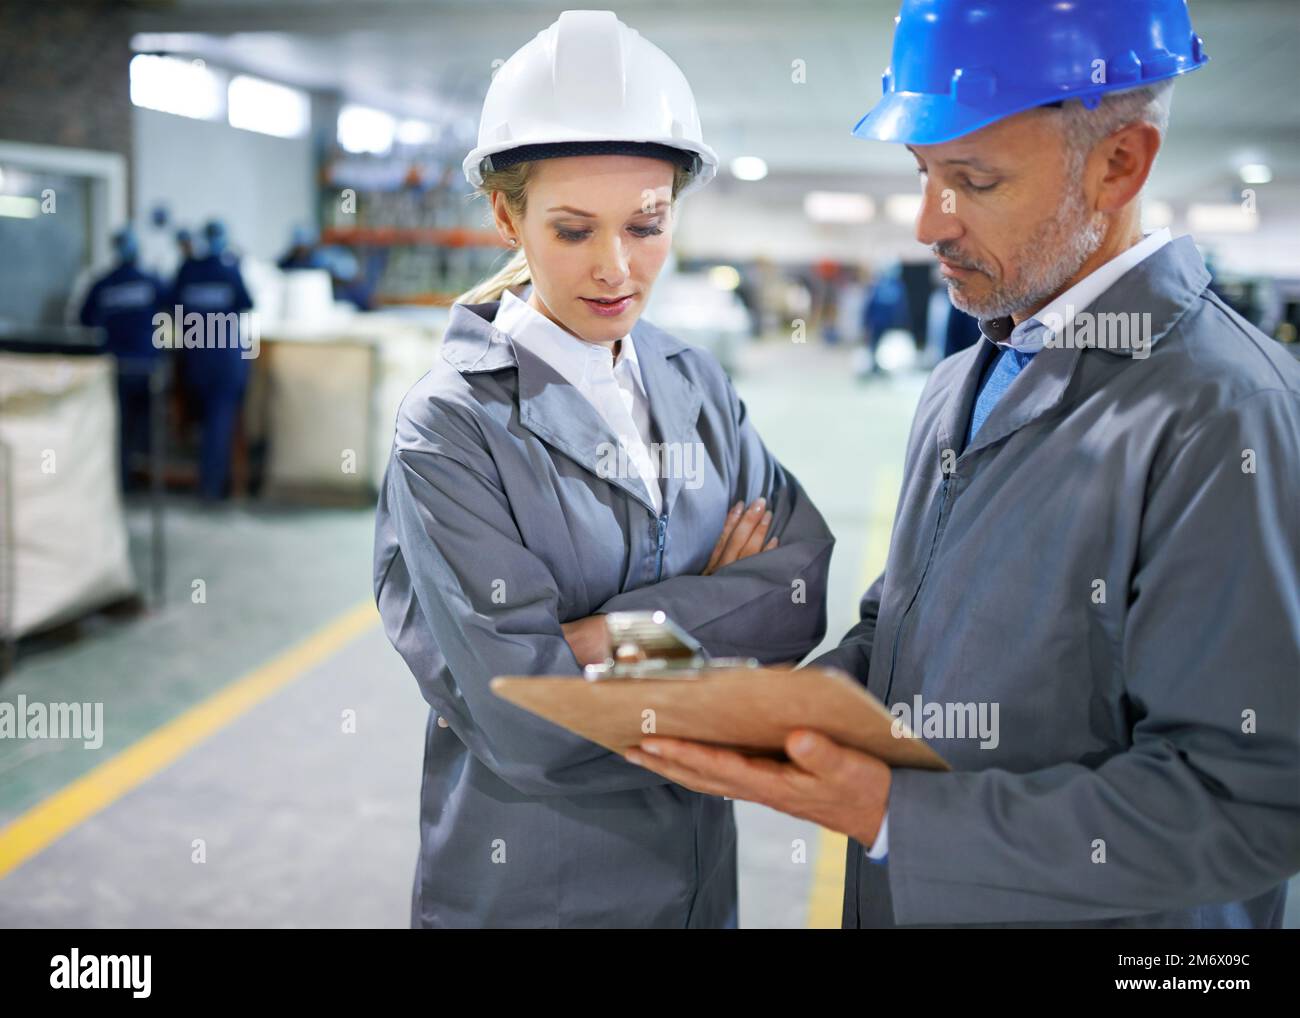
x,y
649,645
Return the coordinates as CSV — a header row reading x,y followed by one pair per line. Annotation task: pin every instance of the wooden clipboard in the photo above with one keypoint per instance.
x,y
748,709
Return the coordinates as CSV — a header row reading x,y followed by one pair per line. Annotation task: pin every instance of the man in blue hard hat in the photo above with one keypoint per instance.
x,y
123,302
302,252
1091,603
208,295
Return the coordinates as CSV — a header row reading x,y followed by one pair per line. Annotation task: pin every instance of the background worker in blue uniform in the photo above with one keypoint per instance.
x,y
347,276
185,246
885,309
302,253
1100,540
215,377
123,303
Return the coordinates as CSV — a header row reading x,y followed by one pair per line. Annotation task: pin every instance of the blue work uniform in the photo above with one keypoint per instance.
x,y
216,377
123,303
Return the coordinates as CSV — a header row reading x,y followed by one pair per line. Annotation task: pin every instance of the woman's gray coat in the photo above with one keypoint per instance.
x,y
500,519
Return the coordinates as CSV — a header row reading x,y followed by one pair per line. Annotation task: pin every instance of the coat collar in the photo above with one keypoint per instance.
x,y
559,414
1163,285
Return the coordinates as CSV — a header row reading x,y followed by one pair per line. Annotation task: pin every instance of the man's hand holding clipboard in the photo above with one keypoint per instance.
x,y
808,742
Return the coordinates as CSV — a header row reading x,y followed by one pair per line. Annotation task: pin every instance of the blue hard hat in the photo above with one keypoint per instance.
x,y
126,244
959,65
340,261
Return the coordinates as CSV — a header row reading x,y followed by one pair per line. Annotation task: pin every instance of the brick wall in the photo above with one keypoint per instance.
x,y
63,74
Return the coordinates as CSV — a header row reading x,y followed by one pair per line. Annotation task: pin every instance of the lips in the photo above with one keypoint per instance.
x,y
951,266
952,269
608,308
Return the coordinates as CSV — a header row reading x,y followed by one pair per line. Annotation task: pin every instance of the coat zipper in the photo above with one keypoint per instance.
x,y
659,550
898,633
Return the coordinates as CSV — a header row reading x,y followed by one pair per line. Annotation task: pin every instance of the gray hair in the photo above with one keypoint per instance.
x,y
1082,128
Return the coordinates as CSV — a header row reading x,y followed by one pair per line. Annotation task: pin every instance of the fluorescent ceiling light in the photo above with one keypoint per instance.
x,y
903,208
185,88
1221,218
1256,173
17,206
748,168
1157,213
268,108
362,129
838,207
415,132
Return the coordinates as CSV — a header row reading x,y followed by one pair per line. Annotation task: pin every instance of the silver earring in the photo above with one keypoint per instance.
x,y
512,242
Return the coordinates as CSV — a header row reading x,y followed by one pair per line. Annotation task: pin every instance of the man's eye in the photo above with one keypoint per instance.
x,y
564,234
980,187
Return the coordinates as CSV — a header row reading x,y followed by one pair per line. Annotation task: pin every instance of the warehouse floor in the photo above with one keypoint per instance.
x,y
230,789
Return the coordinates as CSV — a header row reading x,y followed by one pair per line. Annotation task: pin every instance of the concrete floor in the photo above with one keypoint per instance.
x,y
279,817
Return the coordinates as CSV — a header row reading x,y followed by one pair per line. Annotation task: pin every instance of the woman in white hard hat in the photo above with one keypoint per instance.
x,y
564,460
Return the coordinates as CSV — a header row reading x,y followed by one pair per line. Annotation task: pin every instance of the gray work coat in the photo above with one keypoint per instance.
x,y
501,518
1115,562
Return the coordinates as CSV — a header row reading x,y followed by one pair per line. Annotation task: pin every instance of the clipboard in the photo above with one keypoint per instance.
x,y
659,680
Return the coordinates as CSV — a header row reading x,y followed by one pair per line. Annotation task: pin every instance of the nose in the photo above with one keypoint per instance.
x,y
612,267
937,219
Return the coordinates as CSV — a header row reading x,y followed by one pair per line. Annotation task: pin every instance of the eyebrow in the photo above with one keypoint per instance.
x,y
973,163
591,215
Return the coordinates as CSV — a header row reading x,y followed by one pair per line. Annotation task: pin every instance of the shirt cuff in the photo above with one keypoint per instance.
x,y
879,850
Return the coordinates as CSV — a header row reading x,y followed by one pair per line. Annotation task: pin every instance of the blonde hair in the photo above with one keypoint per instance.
x,y
512,182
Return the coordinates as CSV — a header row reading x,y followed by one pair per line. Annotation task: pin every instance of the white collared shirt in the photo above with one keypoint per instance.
x,y
615,389
1028,336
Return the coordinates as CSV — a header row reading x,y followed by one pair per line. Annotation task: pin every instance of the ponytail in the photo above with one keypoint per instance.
x,y
512,182
514,273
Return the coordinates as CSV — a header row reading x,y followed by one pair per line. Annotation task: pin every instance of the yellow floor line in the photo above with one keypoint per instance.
x,y
55,816
884,499
826,896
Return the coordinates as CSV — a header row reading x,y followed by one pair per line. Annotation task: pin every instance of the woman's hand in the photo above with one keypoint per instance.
x,y
588,639
743,535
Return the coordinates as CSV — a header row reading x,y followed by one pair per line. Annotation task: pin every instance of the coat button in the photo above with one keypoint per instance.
x,y
442,722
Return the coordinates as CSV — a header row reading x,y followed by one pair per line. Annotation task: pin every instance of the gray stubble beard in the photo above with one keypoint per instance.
x,y
1072,232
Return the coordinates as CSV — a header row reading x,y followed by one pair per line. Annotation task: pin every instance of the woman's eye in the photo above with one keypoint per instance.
x,y
572,234
646,231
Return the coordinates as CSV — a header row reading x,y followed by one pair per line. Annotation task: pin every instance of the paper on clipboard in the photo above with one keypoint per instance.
x,y
744,707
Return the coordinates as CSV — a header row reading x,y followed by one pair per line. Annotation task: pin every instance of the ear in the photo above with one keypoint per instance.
x,y
501,216
1124,162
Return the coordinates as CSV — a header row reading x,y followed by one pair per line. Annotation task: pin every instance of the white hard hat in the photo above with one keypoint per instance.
x,y
589,85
